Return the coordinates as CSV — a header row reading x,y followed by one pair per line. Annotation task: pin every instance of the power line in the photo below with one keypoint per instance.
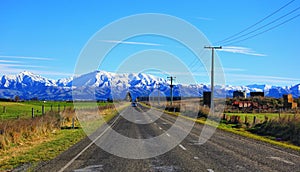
x,y
264,30
260,21
272,22
193,63
194,66
195,60
228,40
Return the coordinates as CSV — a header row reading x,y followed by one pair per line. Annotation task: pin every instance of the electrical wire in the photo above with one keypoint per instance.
x,y
270,23
232,39
260,21
250,37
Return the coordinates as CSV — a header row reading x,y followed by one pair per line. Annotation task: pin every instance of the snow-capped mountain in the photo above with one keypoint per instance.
x,y
104,85
93,85
25,80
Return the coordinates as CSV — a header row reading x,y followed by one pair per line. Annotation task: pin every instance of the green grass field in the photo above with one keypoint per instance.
x,y
13,110
23,109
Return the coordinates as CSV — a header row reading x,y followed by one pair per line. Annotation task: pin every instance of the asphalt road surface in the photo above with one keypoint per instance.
x,y
222,152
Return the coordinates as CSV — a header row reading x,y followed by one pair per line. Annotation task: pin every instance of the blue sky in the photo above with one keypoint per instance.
x,y
46,37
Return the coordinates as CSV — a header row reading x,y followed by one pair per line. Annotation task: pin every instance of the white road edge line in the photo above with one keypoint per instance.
x,y
168,134
210,170
83,150
281,159
182,147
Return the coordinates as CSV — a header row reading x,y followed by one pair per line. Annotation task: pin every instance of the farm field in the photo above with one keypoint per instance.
x,y
13,110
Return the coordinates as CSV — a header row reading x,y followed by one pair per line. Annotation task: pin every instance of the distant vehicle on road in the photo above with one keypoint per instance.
x,y
134,104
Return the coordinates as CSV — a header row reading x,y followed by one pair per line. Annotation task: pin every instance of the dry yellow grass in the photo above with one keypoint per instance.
x,y
18,132
31,140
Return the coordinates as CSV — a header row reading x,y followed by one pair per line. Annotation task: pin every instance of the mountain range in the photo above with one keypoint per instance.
x,y
102,85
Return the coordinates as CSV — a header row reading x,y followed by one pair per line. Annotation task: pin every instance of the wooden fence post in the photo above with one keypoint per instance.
x,y
254,119
73,121
4,109
64,107
32,112
246,119
43,109
224,116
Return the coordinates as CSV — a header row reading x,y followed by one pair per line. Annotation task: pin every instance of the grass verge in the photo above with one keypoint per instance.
x,y
42,149
243,132
25,155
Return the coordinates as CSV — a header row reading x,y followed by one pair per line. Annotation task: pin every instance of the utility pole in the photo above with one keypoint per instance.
x,y
158,92
212,75
171,78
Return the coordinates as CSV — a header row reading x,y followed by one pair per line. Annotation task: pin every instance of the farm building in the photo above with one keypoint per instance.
x,y
288,101
239,94
257,94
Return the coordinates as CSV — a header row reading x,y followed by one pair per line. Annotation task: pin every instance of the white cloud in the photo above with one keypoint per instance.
x,y
13,71
21,65
274,80
233,69
204,18
26,57
9,61
241,50
130,42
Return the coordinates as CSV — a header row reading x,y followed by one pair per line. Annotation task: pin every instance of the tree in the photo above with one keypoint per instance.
x,y
34,99
17,98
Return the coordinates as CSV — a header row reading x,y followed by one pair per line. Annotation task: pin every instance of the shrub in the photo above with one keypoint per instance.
x,y
203,112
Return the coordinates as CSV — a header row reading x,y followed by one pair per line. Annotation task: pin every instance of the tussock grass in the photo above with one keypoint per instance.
x,y
18,132
40,149
31,140
260,117
281,129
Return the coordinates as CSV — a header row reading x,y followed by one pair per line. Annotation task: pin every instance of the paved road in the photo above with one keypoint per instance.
x,y
222,152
